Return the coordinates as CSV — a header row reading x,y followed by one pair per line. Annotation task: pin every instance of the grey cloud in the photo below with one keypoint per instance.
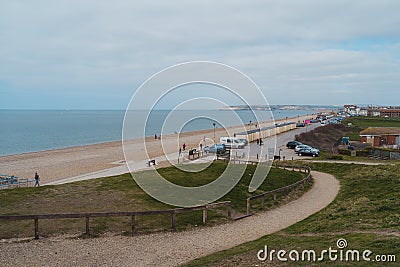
x,y
289,45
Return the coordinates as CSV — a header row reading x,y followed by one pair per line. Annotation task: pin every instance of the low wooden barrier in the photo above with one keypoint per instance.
x,y
131,214
286,189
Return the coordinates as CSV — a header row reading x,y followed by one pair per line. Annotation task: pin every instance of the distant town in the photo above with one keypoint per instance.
x,y
353,110
278,107
373,111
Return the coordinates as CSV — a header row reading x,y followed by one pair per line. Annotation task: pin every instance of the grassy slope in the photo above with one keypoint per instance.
x,y
120,193
324,137
366,213
365,122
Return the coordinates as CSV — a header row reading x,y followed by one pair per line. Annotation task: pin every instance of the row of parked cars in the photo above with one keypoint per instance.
x,y
302,149
226,143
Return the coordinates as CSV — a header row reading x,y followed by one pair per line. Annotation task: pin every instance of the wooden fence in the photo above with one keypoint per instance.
x,y
173,212
131,214
286,189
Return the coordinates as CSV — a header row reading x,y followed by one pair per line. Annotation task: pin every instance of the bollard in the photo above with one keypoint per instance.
x,y
133,226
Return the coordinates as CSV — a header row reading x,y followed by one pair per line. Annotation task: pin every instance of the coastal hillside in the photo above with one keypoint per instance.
x,y
325,137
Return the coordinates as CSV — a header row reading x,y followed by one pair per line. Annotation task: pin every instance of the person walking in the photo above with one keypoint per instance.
x,y
184,146
37,179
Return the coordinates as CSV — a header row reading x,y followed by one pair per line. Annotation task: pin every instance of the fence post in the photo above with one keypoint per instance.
x,y
248,206
230,211
133,226
173,220
87,225
262,201
274,196
205,215
36,228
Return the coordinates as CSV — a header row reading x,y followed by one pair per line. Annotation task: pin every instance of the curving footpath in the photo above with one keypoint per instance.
x,y
170,249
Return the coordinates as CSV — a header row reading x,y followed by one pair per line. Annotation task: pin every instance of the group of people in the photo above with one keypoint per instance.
x,y
260,142
183,148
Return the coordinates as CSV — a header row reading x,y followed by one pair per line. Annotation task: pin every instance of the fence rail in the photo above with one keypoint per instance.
x,y
132,214
172,212
286,189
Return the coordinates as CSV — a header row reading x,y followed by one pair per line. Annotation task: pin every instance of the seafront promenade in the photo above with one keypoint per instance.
x,y
106,159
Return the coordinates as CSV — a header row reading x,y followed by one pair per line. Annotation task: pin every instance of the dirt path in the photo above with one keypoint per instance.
x,y
352,162
169,249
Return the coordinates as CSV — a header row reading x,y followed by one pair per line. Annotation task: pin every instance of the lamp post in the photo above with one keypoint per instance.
x,y
214,131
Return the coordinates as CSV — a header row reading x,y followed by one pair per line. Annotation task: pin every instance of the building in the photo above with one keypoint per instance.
x,y
363,112
390,113
381,136
351,109
374,112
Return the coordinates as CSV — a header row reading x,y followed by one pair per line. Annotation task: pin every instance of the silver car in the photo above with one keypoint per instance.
x,y
300,147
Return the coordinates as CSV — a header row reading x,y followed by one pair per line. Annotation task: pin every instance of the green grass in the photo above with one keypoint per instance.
x,y
366,213
365,122
121,193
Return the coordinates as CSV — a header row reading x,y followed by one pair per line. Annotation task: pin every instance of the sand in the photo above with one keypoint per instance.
x,y
54,165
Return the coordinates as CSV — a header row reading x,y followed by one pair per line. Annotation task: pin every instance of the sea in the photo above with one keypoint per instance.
x,y
23,131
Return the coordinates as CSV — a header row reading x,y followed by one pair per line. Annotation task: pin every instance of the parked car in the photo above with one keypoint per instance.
x,y
308,152
300,147
293,144
231,142
216,148
243,140
301,124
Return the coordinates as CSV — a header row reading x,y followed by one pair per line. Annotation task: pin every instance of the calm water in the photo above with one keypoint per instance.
x,y
28,131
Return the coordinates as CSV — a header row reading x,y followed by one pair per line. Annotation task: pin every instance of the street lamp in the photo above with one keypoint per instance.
x,y
214,131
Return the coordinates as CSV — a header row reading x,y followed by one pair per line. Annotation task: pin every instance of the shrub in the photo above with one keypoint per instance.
x,y
336,157
344,152
363,153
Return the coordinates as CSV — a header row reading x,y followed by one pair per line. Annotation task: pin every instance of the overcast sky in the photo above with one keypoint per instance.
x,y
95,54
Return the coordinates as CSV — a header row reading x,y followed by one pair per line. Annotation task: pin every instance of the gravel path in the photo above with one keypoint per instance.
x,y
169,249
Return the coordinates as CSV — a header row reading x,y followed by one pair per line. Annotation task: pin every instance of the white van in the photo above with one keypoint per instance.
x,y
232,142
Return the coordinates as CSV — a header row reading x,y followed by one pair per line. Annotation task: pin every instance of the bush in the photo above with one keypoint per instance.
x,y
363,153
336,157
346,152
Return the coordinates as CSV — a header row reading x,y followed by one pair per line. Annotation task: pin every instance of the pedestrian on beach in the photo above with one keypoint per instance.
x,y
155,136
184,146
37,179
180,151
201,147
